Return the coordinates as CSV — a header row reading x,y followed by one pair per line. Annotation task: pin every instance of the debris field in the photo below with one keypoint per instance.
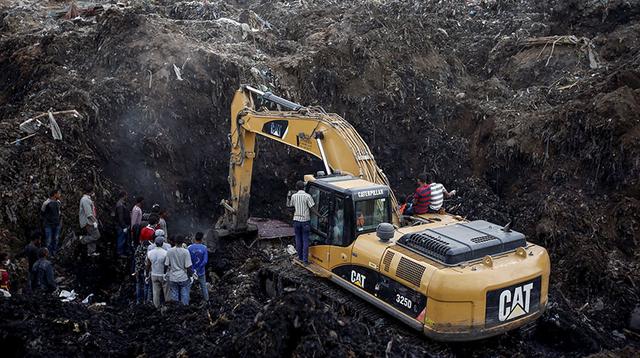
x,y
529,109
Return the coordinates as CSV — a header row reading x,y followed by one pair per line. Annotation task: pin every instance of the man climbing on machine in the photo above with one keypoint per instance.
x,y
303,204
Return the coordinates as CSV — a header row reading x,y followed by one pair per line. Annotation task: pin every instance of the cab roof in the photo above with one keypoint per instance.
x,y
358,188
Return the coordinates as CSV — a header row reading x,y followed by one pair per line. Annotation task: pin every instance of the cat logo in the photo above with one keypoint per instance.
x,y
357,278
514,303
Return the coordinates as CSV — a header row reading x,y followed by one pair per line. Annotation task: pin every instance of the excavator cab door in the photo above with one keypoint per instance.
x,y
341,233
330,231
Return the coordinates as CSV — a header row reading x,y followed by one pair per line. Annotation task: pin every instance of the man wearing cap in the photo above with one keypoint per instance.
x,y
165,245
156,257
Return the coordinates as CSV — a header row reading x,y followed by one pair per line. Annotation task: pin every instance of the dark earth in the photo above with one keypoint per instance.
x,y
529,109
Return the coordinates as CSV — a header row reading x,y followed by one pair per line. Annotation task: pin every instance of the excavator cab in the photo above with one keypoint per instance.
x,y
349,207
346,212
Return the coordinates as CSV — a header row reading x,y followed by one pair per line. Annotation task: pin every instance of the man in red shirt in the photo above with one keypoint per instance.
x,y
148,232
428,196
4,272
422,196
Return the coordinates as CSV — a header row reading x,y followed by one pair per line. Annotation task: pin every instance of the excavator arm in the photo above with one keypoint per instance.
x,y
327,136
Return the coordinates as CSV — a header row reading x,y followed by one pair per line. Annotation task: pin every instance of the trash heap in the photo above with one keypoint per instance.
x,y
528,108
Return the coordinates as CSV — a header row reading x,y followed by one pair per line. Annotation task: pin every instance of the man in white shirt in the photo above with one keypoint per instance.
x,y
179,263
89,221
303,204
155,264
160,233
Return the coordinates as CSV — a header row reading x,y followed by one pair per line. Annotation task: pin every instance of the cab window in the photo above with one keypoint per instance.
x,y
337,222
370,213
322,199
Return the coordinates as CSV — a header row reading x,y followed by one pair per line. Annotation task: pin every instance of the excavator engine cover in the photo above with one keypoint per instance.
x,y
453,244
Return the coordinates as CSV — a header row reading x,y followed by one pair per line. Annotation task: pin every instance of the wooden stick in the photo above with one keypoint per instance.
x,y
23,138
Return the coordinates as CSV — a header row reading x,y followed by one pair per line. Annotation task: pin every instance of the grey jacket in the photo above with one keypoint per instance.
x,y
87,211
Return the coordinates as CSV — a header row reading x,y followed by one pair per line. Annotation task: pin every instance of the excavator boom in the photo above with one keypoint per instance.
x,y
326,136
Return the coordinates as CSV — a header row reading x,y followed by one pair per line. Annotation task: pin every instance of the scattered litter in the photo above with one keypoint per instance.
x,y
584,43
5,293
67,296
53,126
291,250
32,125
176,69
87,300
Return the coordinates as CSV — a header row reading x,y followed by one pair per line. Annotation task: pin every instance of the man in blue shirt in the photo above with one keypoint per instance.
x,y
199,258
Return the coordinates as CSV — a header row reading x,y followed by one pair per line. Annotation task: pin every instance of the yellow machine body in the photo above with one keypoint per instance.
x,y
446,302
452,279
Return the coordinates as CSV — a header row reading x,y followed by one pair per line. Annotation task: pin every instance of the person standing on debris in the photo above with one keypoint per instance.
x,y
140,273
123,224
50,212
4,272
43,273
155,210
89,221
136,223
156,256
136,212
31,253
148,232
199,258
179,262
164,215
303,204
165,245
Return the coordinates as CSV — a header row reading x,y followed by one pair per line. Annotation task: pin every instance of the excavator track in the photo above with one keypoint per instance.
x,y
284,276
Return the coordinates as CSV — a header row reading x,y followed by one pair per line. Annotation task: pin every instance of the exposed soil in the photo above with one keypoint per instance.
x,y
542,133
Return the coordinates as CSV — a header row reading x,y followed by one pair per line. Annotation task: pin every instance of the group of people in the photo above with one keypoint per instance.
x,y
428,197
40,274
166,271
164,267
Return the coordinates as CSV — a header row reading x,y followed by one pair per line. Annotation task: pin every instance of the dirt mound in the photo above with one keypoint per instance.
x,y
528,109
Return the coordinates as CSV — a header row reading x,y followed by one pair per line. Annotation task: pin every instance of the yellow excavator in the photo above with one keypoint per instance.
x,y
452,279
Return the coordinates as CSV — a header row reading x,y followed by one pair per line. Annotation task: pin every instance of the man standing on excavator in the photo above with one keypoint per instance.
x,y
303,204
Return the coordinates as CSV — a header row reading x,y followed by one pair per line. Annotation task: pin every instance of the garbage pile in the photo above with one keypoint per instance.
x,y
529,109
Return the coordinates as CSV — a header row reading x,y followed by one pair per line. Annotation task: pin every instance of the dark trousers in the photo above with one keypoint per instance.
x,y
180,291
302,230
121,248
143,289
51,236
